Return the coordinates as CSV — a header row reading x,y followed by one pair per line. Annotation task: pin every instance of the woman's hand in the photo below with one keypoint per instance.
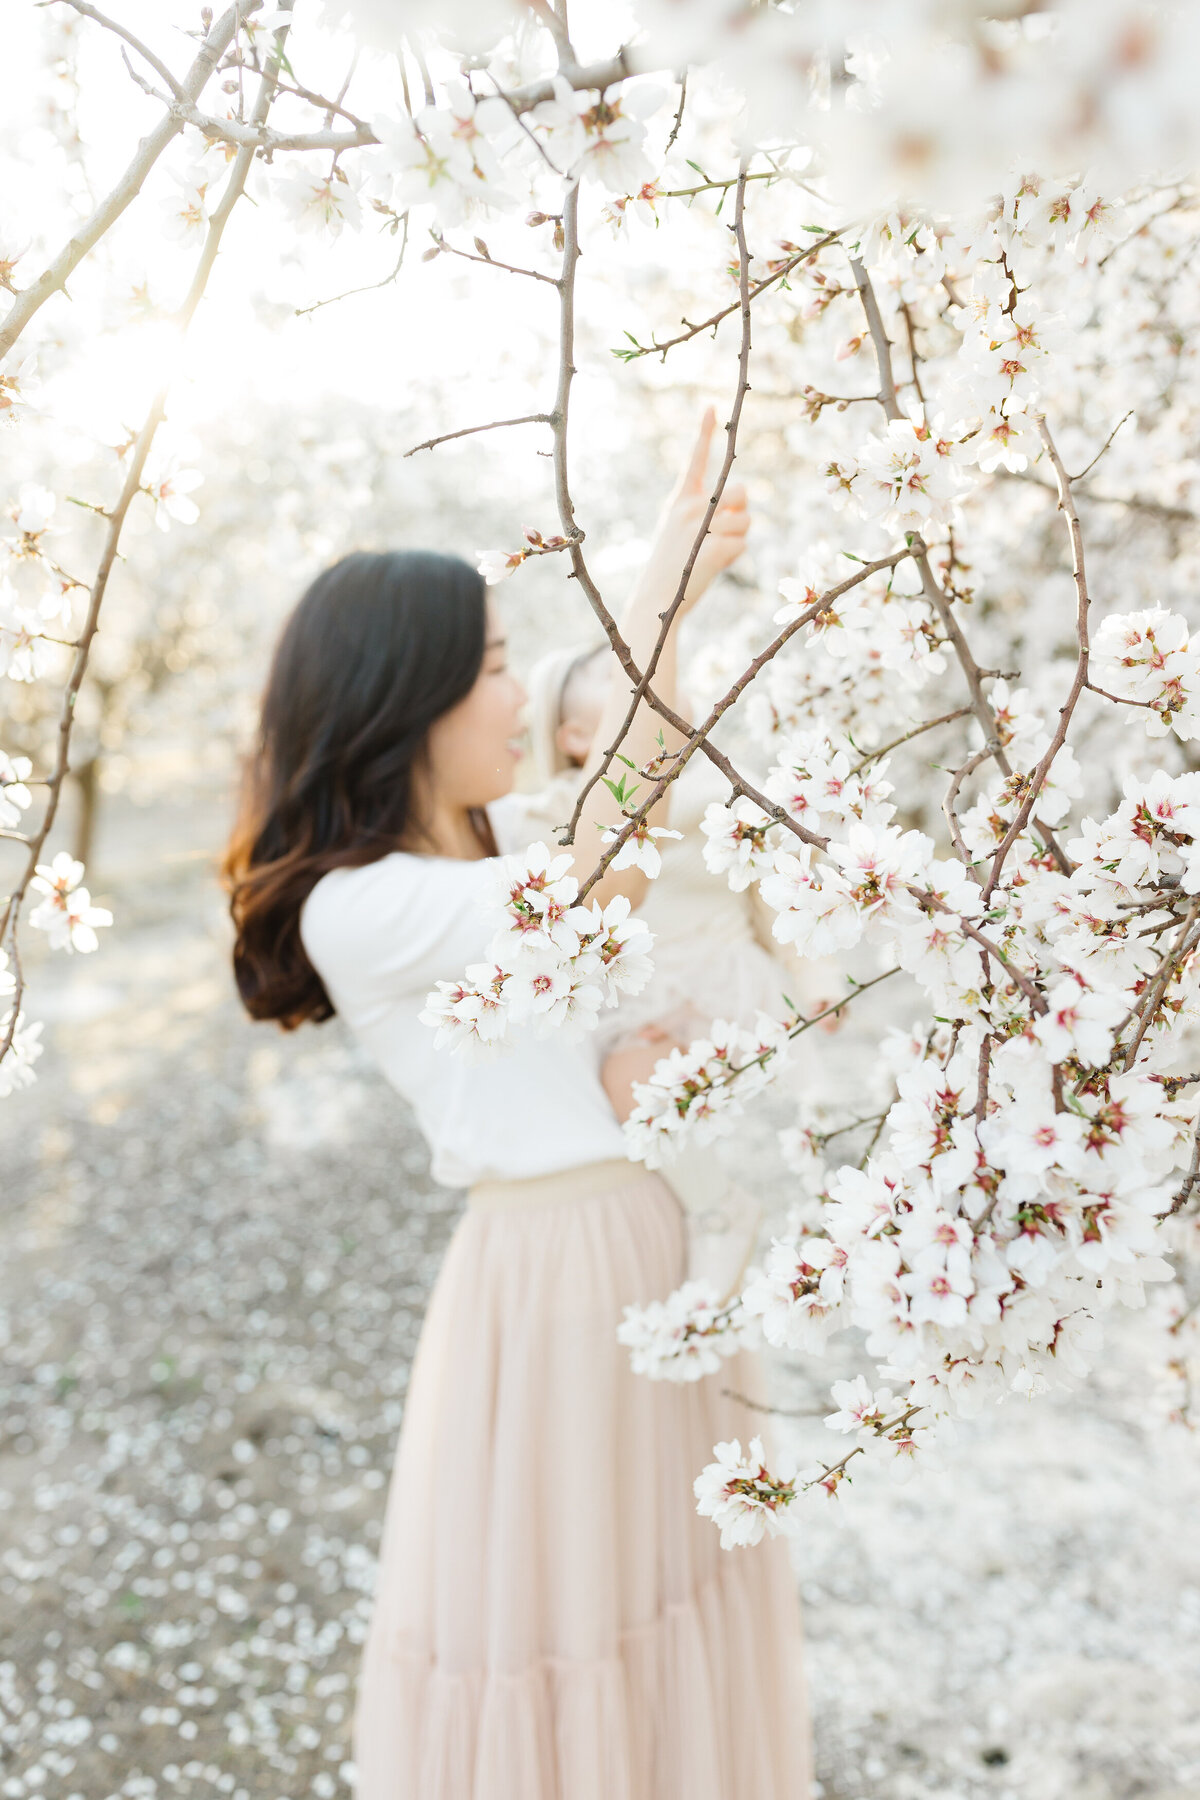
x,y
634,1061
680,521
648,737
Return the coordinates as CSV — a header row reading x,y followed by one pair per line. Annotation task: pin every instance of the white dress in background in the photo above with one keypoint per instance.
x,y
552,1620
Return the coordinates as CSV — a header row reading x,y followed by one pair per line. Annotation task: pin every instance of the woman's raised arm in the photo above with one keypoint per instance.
x,y
640,623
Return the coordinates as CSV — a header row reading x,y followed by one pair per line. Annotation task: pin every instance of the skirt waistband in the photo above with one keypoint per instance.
x,y
560,1184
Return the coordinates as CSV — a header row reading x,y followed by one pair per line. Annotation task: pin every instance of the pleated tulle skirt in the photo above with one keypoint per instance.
x,y
553,1621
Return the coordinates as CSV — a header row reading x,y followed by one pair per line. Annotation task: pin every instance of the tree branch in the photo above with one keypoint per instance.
x,y
31,299
132,485
92,12
470,430
1083,605
981,706
657,348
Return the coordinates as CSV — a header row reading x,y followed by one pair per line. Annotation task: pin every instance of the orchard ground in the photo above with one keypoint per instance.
x,y
217,1246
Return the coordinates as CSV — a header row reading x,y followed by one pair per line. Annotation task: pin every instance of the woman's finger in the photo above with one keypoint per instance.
x,y
693,478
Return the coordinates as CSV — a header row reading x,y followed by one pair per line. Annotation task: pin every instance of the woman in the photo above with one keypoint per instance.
x,y
552,1619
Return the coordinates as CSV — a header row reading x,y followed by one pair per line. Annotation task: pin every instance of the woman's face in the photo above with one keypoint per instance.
x,y
473,749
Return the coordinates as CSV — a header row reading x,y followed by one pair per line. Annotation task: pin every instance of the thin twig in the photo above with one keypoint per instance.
x,y
1104,446
678,120
960,712
779,1412
300,93
660,347
53,278
1190,1179
1185,941
368,288
1083,605
1134,502
147,55
951,816
492,425
490,262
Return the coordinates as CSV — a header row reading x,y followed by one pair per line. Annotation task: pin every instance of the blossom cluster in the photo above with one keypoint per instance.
x,y
695,1089
466,155
552,964
65,912
1147,658
1028,1155
743,1499
683,1337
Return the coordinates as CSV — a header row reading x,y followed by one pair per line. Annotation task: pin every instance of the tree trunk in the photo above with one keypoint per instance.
x,y
87,786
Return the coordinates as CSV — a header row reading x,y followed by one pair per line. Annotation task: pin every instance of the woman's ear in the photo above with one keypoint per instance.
x,y
574,741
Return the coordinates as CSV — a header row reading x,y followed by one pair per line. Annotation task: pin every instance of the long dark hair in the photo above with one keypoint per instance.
x,y
381,645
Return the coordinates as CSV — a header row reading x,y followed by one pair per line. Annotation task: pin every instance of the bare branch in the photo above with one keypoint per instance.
x,y
678,120
1104,446
54,278
1190,1179
369,287
1134,502
960,712
556,27
960,775
135,43
1185,942
521,100
329,107
493,425
1083,605
980,704
660,347
265,137
489,262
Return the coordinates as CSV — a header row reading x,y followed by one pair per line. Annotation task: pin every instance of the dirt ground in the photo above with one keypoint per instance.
x,y
217,1244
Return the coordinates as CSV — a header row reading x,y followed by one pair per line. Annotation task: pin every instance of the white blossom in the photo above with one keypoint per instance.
x,y
639,851
14,795
66,914
737,843
742,1498
682,1338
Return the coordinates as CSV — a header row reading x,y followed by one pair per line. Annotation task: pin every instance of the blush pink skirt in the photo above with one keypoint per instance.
x,y
552,1619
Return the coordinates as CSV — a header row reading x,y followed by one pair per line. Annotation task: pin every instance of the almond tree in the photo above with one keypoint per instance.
x,y
948,245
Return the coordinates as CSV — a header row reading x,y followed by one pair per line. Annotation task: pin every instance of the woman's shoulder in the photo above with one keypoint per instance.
x,y
396,898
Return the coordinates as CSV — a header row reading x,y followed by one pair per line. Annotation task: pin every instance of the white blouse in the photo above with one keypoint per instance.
x,y
379,937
